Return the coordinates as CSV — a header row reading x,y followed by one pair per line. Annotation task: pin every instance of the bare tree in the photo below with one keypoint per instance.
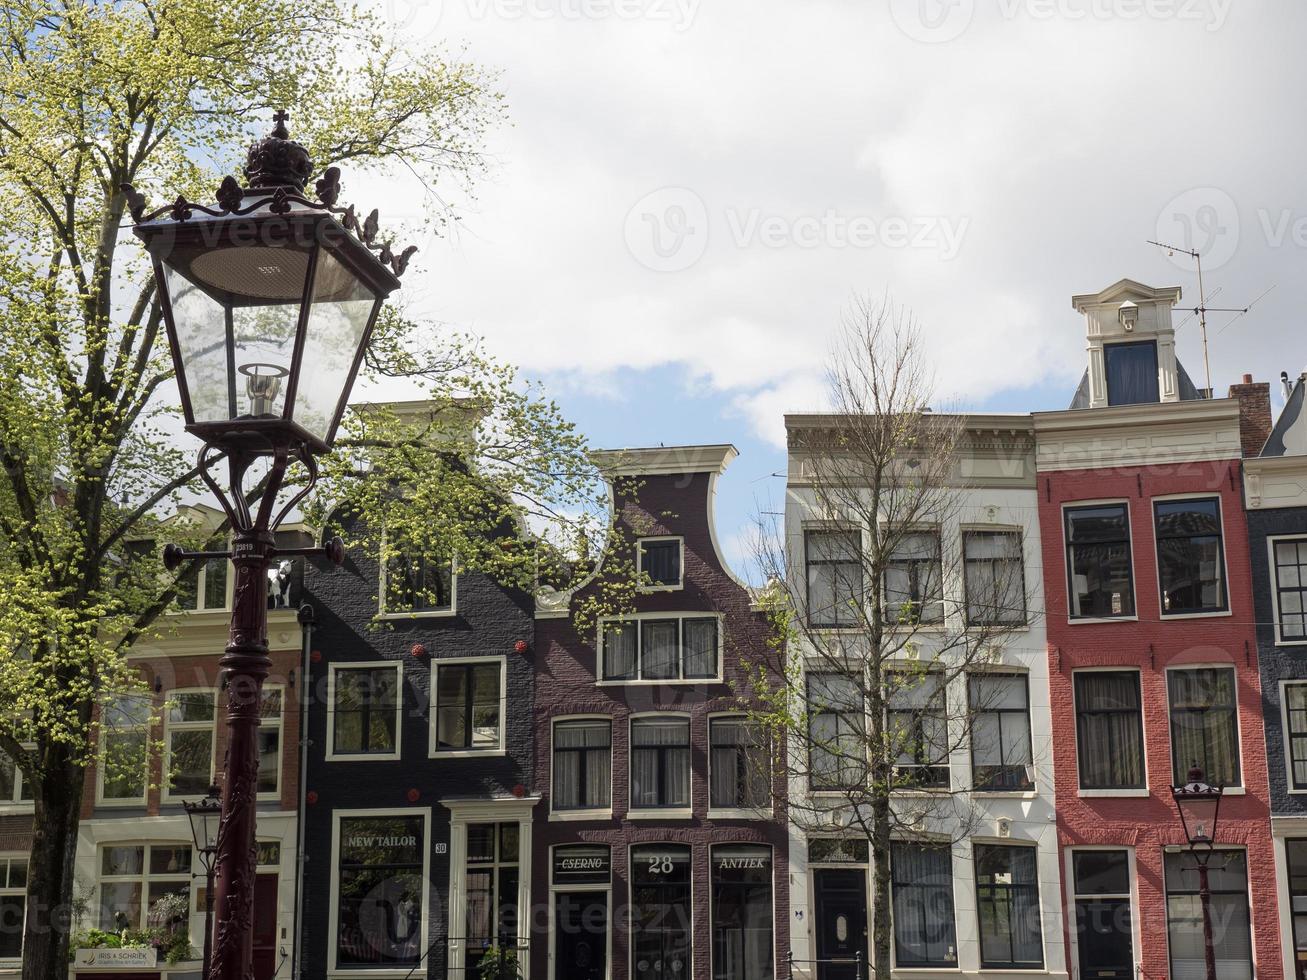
x,y
884,627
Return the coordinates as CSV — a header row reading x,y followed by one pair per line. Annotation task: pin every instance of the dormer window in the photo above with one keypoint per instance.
x,y
1131,373
416,585
660,563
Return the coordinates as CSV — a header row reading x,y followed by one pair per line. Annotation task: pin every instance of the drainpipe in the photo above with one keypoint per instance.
x,y
306,619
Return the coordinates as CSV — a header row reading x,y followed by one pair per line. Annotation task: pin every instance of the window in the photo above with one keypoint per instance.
x,y
1295,733
1001,753
660,563
1227,877
188,759
1098,561
365,706
660,763
380,889
995,578
1103,917
913,590
13,786
469,705
135,876
269,780
741,913
738,764
1190,559
492,884
1204,725
204,587
837,752
13,906
1109,730
834,577
1296,859
671,649
921,879
126,726
917,728
583,765
660,912
1290,564
1131,373
417,584
1007,901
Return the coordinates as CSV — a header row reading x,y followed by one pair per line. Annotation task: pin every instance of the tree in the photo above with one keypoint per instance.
x,y
159,94
876,675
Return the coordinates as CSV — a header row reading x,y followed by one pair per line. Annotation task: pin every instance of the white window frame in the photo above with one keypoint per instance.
x,y
17,804
639,563
201,579
333,915
1228,611
1068,870
332,755
1144,790
680,617
1248,886
1273,570
500,748
659,812
1238,719
586,813
734,813
777,925
1285,684
6,859
1071,618
124,801
1020,532
384,613
280,725
144,877
170,727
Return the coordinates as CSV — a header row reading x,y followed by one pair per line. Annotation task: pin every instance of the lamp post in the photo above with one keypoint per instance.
x,y
269,300
1199,804
205,815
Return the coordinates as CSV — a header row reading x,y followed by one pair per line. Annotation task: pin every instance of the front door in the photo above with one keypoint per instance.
x,y
1104,939
841,895
580,935
265,927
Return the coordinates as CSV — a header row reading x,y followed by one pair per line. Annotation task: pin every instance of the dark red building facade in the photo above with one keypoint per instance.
x,y
661,854
1153,655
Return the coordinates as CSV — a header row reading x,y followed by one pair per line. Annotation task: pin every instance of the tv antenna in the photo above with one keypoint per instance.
x,y
1202,309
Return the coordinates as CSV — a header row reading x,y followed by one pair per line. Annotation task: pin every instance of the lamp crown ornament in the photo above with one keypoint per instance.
x,y
277,160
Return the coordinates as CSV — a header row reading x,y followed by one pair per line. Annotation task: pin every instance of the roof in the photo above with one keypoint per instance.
x,y
1188,390
1289,436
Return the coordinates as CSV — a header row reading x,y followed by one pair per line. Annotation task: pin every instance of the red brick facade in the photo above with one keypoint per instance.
x,y
1150,823
565,685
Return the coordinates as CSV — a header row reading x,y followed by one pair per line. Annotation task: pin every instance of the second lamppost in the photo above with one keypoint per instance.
x,y
269,300
205,815
1199,804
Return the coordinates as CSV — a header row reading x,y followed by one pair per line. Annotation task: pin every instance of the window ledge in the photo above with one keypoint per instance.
x,y
648,589
424,614
1096,620
574,815
1215,614
999,794
466,753
676,681
362,757
739,813
1290,643
1094,794
669,813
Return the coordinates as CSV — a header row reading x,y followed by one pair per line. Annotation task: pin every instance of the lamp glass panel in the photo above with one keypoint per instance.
x,y
342,306
200,324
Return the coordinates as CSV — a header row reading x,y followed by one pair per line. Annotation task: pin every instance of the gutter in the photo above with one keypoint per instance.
x,y
306,619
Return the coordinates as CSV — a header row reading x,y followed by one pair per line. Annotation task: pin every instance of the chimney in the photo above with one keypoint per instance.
x,y
1254,413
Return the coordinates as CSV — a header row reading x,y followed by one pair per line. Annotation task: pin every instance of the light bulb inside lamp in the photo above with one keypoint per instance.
x,y
263,386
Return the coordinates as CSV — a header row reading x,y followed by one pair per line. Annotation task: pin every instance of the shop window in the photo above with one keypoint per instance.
x,y
380,891
661,919
742,918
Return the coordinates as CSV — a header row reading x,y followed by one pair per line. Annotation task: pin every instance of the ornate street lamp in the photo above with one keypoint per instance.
x,y
205,816
269,301
1199,804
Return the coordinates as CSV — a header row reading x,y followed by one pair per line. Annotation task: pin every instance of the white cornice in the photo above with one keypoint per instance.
x,y
1124,289
1272,482
1137,435
665,460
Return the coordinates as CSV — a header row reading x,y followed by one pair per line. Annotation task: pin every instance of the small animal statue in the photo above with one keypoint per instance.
x,y
279,580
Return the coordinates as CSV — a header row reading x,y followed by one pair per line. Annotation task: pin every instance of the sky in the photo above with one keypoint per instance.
x,y
690,194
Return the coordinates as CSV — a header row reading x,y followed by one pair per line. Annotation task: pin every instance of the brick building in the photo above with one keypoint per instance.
x,y
1275,489
1153,659
660,853
417,821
